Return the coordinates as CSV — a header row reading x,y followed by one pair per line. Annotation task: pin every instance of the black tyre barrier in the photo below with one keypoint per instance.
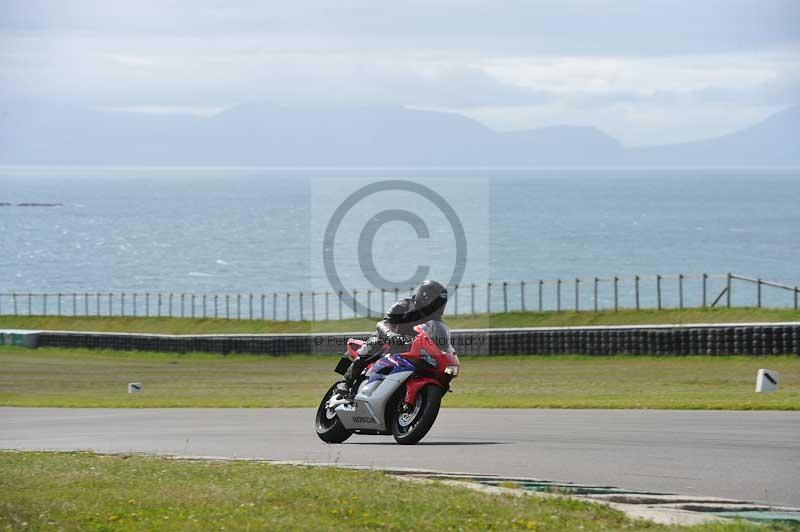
x,y
765,339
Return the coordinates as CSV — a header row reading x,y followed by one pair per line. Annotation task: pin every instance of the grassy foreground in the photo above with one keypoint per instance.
x,y
79,491
93,378
511,319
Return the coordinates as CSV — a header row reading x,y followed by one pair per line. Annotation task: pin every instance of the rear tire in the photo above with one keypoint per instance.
x,y
410,428
328,425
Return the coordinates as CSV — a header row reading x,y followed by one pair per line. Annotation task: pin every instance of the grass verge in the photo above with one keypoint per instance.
x,y
80,491
94,378
511,319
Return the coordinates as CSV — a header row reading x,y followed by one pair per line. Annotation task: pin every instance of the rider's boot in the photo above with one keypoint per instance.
x,y
346,388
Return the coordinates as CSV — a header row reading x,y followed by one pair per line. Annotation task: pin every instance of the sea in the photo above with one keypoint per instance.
x,y
263,231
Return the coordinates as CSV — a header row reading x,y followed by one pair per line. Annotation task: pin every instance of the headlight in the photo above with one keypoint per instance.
x,y
451,370
428,358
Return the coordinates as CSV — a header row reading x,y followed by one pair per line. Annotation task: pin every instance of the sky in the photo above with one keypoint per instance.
x,y
645,72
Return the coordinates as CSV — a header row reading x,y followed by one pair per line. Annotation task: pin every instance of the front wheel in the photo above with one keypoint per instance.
x,y
329,427
410,427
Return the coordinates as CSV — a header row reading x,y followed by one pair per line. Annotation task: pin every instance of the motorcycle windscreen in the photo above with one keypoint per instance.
x,y
439,333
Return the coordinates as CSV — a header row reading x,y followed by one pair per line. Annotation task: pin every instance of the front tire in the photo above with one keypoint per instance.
x,y
328,425
409,428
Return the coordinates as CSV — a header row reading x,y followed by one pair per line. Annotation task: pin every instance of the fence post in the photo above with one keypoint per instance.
x,y
489,298
300,300
238,306
121,304
97,304
505,297
85,303
355,303
159,304
147,304
455,299
796,290
680,290
558,295
183,305
658,290
227,306
313,306
705,288
74,304
636,290
193,305
263,306
728,290
595,294
170,305
472,299
30,303
383,298
110,304
369,303
577,294
327,316
287,306
340,303
250,306
44,305
134,305
396,292
216,306
522,295
616,293
758,292
274,306
14,303
541,297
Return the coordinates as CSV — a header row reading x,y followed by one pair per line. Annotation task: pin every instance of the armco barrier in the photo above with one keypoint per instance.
x,y
696,339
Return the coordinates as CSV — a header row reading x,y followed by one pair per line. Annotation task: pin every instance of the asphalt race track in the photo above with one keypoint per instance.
x,y
744,455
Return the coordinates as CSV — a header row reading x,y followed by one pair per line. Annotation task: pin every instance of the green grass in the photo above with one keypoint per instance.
x,y
80,491
94,378
511,319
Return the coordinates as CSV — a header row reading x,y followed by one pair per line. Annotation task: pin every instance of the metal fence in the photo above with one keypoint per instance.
x,y
573,294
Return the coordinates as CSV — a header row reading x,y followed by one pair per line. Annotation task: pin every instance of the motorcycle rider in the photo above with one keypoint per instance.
x,y
397,328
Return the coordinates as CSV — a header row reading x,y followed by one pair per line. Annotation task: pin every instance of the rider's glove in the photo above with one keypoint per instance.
x,y
368,346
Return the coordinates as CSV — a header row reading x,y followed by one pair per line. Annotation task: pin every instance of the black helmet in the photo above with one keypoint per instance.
x,y
429,300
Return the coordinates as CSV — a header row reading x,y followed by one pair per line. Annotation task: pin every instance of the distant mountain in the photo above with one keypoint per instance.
x,y
773,142
273,135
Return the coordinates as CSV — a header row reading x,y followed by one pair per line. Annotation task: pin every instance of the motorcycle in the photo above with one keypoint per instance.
x,y
398,394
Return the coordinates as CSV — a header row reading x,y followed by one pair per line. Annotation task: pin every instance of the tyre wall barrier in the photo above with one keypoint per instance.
x,y
729,339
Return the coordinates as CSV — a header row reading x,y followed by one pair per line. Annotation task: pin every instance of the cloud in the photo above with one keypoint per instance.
x,y
644,76
577,27
512,64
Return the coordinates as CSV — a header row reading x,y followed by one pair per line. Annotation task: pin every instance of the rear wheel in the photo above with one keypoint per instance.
x,y
410,427
328,425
